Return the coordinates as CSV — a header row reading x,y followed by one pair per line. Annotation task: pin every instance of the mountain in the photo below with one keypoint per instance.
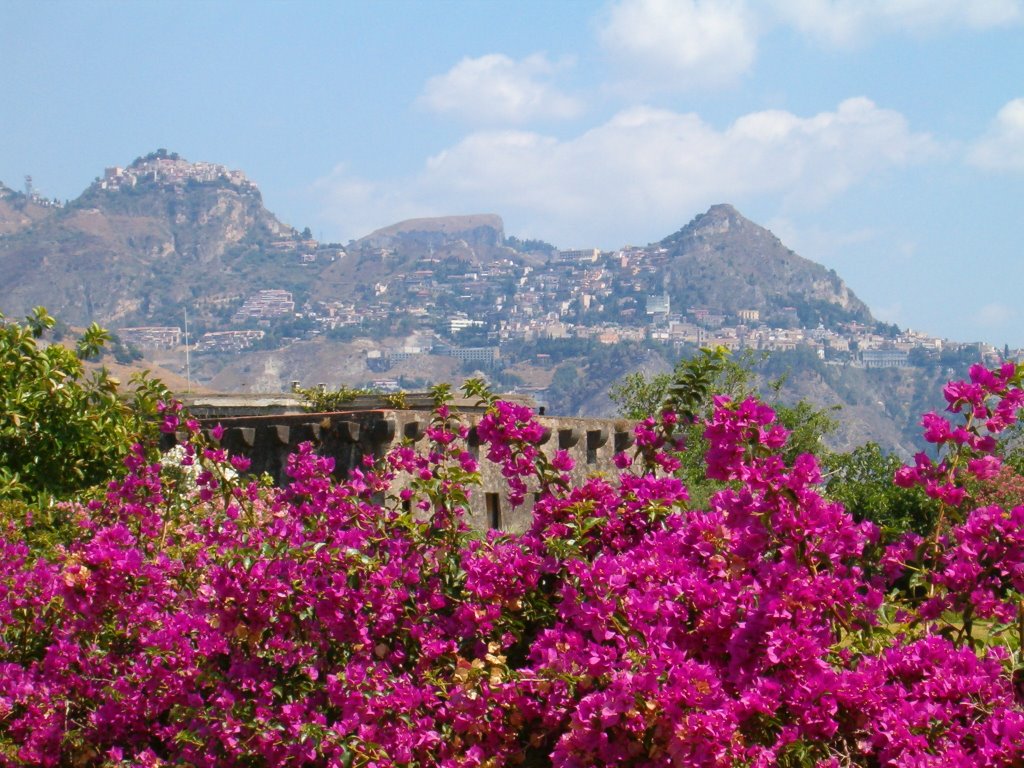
x,y
726,262
141,241
446,234
411,250
163,232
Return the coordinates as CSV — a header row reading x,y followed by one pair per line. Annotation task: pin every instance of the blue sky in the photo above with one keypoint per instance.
x,y
882,138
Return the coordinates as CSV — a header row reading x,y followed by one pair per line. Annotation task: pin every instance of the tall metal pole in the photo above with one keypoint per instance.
x,y
188,363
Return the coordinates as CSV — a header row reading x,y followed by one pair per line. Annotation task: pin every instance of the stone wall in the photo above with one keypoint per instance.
x,y
349,436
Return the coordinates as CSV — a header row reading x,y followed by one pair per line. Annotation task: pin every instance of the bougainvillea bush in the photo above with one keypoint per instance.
x,y
194,619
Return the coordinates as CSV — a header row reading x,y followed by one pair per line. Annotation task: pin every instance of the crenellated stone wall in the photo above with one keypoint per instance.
x,y
348,436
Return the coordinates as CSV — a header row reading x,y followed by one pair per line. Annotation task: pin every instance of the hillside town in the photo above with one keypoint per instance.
x,y
476,312
458,287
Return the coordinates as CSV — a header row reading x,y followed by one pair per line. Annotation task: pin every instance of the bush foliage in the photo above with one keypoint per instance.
x,y
362,623
63,428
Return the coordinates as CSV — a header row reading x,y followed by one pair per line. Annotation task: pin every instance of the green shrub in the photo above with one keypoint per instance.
x,y
64,428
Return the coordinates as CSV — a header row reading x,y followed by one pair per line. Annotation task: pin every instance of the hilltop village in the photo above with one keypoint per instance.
x,y
476,311
162,167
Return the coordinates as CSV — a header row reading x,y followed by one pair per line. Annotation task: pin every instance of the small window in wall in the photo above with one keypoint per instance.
x,y
623,441
493,503
596,438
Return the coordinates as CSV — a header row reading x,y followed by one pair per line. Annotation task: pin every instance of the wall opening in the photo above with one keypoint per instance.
x,y
493,503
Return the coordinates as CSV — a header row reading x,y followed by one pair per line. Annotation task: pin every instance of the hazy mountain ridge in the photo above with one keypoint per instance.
x,y
475,231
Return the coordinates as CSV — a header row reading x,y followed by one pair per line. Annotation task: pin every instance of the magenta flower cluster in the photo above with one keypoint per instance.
x,y
213,622
989,402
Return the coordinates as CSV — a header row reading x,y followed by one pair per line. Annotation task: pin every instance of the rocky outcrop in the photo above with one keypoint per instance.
x,y
726,262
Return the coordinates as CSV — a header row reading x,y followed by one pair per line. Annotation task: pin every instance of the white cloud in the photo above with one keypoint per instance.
x,y
355,205
498,89
995,315
846,22
681,43
645,172
689,43
1002,147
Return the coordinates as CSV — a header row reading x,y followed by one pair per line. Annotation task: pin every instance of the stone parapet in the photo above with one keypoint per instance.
x,y
349,436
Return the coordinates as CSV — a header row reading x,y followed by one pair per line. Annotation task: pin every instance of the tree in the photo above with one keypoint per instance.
x,y
861,480
528,245
638,396
689,391
689,386
566,386
62,427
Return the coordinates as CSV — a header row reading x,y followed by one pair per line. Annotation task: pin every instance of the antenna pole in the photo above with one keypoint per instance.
x,y
188,363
